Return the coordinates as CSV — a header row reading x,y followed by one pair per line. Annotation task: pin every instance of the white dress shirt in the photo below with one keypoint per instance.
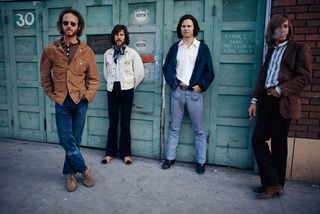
x,y
186,58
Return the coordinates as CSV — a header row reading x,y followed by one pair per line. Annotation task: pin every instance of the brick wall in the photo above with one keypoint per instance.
x,y
305,15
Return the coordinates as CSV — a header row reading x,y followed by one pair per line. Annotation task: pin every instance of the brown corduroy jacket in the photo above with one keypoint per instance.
x,y
80,78
295,73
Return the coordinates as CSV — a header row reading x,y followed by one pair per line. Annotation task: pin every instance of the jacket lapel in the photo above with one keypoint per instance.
x,y
288,50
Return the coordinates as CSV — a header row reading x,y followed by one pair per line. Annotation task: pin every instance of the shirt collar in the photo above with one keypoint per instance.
x,y
281,45
195,43
64,43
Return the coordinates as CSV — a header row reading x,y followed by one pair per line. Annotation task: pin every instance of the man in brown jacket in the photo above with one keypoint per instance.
x,y
285,72
69,76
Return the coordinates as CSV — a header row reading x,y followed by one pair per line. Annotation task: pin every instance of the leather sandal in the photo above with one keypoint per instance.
x,y
127,160
106,159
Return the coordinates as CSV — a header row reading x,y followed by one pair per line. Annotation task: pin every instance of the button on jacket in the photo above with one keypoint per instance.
x,y
80,78
131,69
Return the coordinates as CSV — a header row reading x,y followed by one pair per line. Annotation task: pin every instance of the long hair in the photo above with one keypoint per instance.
x,y
116,29
195,25
77,14
276,21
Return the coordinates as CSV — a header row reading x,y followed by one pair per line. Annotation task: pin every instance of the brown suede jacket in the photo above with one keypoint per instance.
x,y
295,73
80,78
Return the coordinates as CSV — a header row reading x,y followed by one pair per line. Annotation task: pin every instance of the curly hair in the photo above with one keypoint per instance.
x,y
276,21
77,14
116,29
195,25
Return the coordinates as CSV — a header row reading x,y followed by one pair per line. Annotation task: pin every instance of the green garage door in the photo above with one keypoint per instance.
x,y
6,128
234,32
22,28
144,19
202,11
232,29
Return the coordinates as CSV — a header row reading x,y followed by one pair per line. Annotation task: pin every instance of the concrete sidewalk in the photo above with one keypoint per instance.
x,y
31,182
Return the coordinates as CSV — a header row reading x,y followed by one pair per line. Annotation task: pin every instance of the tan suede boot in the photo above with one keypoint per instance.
x,y
88,180
72,184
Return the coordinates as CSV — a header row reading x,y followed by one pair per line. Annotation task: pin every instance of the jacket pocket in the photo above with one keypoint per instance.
x,y
128,74
80,66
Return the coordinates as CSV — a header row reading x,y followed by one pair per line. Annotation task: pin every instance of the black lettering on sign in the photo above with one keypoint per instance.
x,y
99,43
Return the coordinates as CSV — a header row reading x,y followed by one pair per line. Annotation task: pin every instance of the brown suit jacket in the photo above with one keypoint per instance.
x,y
295,73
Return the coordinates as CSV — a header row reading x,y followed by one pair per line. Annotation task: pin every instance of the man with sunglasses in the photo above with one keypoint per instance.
x,y
69,76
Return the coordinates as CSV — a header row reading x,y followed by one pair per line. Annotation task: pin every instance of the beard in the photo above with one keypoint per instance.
x,y
70,33
119,43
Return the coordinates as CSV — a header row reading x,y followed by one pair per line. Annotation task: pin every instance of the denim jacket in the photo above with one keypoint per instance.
x,y
131,69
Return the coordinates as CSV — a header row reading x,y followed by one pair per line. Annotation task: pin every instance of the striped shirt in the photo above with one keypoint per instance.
x,y
273,69
274,65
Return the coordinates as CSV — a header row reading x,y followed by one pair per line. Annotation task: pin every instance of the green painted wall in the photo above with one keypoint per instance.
x,y
232,29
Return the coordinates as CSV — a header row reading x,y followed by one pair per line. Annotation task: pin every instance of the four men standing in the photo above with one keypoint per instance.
x,y
69,76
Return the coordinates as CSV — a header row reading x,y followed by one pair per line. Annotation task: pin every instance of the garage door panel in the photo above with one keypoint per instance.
x,y
235,74
232,136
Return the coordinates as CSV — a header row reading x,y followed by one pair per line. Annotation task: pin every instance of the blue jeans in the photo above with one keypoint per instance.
x,y
70,120
195,105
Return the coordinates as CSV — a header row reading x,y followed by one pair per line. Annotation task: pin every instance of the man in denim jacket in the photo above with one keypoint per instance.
x,y
123,71
188,70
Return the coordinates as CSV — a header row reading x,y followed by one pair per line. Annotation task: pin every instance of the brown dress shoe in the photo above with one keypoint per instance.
x,y
88,180
72,184
259,189
271,192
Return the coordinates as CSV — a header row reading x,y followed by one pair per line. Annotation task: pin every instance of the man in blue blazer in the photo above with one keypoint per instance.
x,y
188,70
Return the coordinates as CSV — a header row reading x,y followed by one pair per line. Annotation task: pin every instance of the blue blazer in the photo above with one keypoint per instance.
x,y
202,74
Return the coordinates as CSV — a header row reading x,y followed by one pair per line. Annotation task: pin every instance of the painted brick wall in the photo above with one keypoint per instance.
x,y
305,15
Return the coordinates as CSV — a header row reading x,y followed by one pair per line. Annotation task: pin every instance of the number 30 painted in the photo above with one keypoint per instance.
x,y
28,19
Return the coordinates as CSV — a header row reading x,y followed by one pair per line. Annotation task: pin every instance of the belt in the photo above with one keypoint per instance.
x,y
184,87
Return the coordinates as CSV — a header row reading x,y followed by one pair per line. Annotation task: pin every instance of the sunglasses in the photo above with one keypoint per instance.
x,y
66,23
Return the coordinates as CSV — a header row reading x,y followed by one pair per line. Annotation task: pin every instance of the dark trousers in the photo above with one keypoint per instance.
x,y
119,101
270,124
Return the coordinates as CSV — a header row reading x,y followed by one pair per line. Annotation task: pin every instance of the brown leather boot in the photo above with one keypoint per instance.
x,y
259,189
72,184
88,180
